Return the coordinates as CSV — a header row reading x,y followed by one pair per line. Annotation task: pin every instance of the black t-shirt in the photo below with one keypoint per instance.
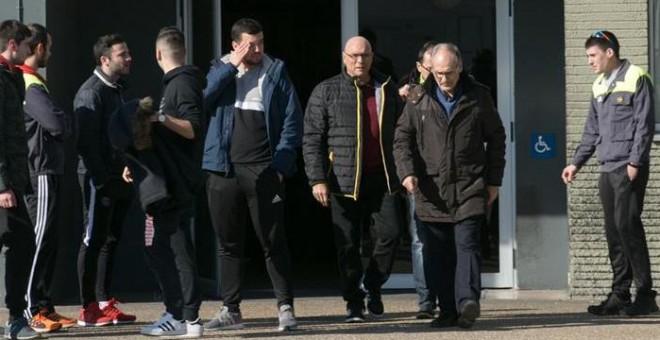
x,y
249,140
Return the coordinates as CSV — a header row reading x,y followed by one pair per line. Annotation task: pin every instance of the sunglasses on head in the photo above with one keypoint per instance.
x,y
605,36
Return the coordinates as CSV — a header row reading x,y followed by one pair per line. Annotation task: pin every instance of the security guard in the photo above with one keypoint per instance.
x,y
620,128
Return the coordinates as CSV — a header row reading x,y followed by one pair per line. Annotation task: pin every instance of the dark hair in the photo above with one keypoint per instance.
x,y
426,47
39,36
103,46
174,39
12,30
604,40
245,25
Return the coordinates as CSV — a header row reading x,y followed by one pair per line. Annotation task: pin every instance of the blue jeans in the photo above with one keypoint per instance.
x,y
425,299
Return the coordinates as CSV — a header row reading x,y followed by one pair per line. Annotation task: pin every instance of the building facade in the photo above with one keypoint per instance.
x,y
542,235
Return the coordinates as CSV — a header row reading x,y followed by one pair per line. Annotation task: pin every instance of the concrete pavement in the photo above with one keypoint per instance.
x,y
507,314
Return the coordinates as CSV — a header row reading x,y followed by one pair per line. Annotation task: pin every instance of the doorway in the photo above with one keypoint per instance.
x,y
483,30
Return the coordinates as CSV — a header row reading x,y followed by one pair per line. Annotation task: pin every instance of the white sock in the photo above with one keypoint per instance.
x,y
103,304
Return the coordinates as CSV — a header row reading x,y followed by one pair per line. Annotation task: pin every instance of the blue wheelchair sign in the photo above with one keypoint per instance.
x,y
542,146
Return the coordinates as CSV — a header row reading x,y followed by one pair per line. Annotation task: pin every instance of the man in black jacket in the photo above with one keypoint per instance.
x,y
449,148
109,197
168,241
347,145
16,231
47,127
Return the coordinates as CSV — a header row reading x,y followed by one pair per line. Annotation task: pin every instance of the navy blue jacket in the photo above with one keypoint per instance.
x,y
283,115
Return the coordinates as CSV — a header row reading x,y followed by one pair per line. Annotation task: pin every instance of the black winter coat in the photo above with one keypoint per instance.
x,y
13,139
332,138
454,159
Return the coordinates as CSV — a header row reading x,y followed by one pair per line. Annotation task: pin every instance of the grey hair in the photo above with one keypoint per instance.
x,y
451,48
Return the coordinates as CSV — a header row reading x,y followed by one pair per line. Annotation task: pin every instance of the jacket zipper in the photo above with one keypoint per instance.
x,y
358,151
380,132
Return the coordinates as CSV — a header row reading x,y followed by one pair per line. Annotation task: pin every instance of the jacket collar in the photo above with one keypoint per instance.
x,y
29,70
378,78
105,79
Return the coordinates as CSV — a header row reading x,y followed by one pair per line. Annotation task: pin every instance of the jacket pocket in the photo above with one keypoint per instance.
x,y
622,117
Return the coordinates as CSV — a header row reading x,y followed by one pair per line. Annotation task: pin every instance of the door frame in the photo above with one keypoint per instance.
x,y
506,277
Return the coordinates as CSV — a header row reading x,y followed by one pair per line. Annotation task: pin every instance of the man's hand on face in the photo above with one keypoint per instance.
x,y
238,54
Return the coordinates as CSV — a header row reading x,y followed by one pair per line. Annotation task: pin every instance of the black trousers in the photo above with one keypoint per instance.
x,y
623,202
383,214
171,254
452,261
105,219
17,237
255,190
43,207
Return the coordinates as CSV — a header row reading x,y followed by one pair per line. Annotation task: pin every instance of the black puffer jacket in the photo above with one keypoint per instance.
x,y
13,140
448,156
332,140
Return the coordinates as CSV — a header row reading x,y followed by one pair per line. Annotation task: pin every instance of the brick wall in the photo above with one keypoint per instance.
x,y
590,273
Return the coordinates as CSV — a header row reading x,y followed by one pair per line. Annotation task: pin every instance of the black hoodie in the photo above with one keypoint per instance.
x,y
182,98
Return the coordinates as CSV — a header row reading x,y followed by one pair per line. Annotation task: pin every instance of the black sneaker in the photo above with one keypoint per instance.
x,y
375,304
468,314
612,305
354,313
644,304
444,320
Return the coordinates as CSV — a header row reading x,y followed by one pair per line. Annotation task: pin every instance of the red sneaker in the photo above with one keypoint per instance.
x,y
116,315
93,316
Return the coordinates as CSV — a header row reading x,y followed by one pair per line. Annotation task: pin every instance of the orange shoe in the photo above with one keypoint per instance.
x,y
92,316
116,315
61,319
41,324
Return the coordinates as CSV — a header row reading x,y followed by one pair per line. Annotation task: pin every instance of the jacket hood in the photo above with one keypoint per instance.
x,y
185,70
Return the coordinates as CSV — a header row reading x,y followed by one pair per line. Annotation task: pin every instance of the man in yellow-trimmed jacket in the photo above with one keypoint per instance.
x,y
620,128
347,146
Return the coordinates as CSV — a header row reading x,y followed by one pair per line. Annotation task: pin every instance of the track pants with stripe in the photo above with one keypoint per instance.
x,y
43,207
106,214
17,239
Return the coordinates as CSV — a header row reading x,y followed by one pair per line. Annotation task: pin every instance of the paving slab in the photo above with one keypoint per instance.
x,y
506,315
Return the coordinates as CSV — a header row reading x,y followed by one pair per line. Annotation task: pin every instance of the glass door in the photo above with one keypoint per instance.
x,y
483,31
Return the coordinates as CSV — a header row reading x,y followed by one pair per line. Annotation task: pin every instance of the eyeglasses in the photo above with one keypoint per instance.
x,y
355,56
600,34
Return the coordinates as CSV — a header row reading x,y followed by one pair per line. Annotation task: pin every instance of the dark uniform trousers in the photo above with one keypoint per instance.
x,y
623,202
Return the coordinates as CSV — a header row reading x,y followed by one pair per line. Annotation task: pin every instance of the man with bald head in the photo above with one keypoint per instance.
x,y
347,146
449,147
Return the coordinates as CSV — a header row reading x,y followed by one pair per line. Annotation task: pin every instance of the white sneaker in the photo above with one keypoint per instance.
x,y
194,330
167,325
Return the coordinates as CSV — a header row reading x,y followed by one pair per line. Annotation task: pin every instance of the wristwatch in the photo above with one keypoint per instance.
x,y
161,118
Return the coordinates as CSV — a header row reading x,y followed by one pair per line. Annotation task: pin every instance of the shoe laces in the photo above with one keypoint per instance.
x,y
226,315
111,309
55,316
17,325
